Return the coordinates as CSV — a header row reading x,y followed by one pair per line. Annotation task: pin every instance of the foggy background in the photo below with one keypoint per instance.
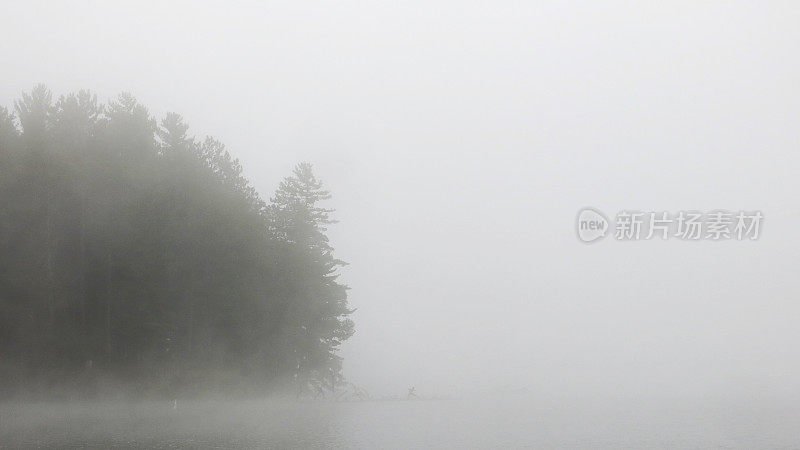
x,y
459,140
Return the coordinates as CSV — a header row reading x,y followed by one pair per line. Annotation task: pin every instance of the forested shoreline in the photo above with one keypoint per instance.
x,y
134,256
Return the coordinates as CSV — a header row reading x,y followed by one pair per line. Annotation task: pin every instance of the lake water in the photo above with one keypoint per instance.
x,y
496,423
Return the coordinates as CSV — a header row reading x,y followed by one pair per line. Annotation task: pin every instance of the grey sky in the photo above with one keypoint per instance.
x,y
460,139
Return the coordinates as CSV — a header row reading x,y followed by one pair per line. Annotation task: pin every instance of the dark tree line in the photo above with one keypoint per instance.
x,y
133,253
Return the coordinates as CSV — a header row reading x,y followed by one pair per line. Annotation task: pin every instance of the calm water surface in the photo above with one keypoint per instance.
x,y
506,423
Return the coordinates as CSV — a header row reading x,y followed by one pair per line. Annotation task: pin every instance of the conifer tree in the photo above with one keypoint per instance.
x,y
318,320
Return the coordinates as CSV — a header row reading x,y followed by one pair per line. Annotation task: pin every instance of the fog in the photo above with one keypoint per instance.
x,y
459,141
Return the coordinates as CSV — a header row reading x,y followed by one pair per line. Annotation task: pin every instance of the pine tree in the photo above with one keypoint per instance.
x,y
317,320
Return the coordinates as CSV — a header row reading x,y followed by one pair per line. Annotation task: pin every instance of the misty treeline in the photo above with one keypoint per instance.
x,y
134,255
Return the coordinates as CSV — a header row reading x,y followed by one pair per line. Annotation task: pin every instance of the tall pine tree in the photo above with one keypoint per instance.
x,y
317,321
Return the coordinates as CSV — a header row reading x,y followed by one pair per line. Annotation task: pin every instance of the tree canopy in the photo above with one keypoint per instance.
x,y
133,253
